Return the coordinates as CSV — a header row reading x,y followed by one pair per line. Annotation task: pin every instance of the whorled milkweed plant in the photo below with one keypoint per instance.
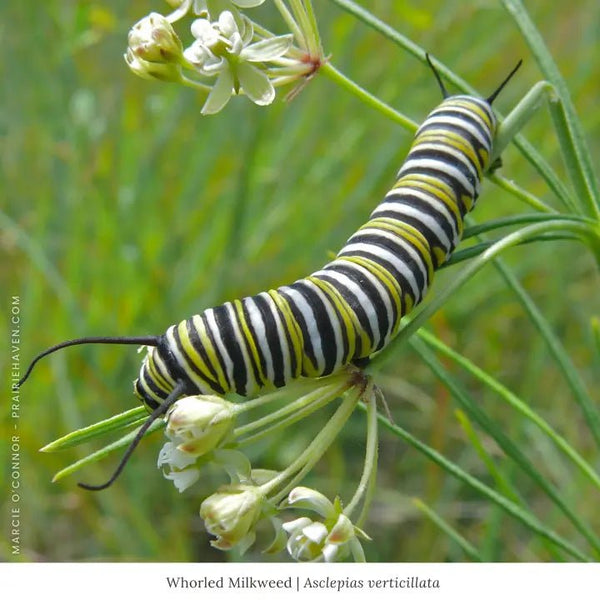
x,y
230,53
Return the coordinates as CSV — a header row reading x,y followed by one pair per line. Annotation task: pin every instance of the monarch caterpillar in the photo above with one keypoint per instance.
x,y
349,309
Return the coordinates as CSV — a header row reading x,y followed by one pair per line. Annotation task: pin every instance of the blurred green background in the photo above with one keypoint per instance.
x,y
125,210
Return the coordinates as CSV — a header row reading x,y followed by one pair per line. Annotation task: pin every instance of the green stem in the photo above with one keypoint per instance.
x,y
290,22
519,115
464,545
370,465
290,414
505,442
314,451
523,195
385,109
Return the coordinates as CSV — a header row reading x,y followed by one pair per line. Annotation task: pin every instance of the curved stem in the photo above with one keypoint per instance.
x,y
385,109
315,450
370,467
290,413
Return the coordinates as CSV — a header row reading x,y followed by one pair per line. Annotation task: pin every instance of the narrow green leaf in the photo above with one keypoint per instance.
x,y
507,445
123,420
465,545
523,516
103,452
570,134
503,485
513,400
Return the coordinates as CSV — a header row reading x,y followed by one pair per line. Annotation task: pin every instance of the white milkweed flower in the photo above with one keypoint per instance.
x,y
195,426
223,49
231,513
329,540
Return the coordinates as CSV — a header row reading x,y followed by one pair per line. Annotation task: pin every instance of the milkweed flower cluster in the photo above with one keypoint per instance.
x,y
204,429
230,54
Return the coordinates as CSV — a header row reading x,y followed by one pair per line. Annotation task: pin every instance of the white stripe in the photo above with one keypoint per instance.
x,y
181,359
399,241
161,367
145,370
390,257
336,322
360,295
311,323
438,165
441,120
251,383
452,153
260,335
428,220
214,329
379,287
286,350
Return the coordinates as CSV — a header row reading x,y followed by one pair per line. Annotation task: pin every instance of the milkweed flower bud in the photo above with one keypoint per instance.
x,y
195,425
153,39
152,70
231,513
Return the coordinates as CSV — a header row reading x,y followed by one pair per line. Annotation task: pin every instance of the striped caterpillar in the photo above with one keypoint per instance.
x,y
349,309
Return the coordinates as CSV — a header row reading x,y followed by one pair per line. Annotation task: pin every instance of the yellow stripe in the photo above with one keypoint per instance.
x,y
239,309
192,353
351,322
441,190
295,333
409,233
155,374
384,277
476,108
211,353
455,140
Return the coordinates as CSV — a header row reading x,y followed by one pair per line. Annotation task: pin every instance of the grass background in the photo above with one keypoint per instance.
x,y
126,211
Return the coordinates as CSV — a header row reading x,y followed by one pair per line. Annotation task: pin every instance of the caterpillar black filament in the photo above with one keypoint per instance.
x,y
352,307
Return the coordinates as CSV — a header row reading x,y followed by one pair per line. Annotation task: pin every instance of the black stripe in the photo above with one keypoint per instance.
x,y
442,153
403,196
213,384
198,346
232,346
272,338
354,273
323,324
141,394
463,133
388,266
395,247
257,375
354,306
449,111
458,190
211,337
